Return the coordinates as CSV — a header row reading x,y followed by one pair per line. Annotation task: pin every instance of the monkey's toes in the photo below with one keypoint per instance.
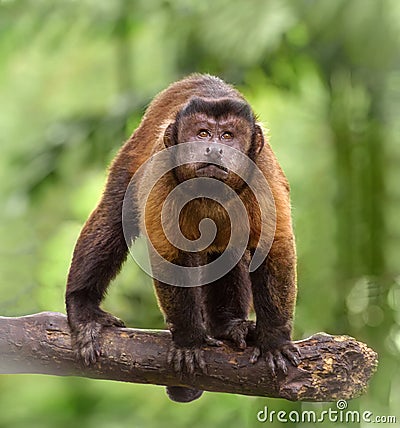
x,y
211,341
242,331
278,359
86,343
239,331
292,353
108,320
86,334
185,360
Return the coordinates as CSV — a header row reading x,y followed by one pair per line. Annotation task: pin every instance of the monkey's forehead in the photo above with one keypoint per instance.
x,y
217,108
201,119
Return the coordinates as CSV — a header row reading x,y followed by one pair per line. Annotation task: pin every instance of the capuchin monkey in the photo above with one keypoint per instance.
x,y
202,110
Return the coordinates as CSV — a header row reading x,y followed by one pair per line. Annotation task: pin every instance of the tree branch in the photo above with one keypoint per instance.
x,y
332,367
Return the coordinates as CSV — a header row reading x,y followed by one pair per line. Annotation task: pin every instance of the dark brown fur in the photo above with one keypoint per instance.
x,y
195,315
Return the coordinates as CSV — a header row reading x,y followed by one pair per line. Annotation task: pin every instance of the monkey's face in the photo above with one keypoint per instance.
x,y
212,128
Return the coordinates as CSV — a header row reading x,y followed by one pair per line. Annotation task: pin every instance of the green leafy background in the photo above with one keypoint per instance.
x,y
324,77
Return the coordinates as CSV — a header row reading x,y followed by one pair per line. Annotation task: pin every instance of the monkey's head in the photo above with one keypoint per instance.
x,y
202,122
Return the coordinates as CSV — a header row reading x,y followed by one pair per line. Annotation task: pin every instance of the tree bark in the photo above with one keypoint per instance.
x,y
332,367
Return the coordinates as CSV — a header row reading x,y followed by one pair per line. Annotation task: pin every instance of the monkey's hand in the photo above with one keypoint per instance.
x,y
185,356
276,349
237,331
85,334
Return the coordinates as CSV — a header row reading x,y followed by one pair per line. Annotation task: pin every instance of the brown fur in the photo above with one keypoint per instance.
x,y
195,315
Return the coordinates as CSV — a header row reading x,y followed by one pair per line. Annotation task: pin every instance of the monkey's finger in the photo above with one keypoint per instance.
x,y
238,334
297,351
170,355
251,326
178,361
271,364
251,330
280,362
91,355
189,359
239,338
108,320
290,354
89,352
118,323
199,355
88,358
242,344
255,355
174,358
211,341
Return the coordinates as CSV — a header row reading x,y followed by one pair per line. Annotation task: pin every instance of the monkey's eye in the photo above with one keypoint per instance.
x,y
204,133
227,136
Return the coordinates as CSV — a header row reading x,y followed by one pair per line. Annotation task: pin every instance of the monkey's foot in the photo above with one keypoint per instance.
x,y
185,360
277,358
238,331
85,336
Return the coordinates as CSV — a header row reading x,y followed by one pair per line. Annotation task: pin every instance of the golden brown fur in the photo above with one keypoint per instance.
x,y
195,315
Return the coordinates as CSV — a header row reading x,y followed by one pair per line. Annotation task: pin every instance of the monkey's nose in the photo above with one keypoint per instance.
x,y
213,152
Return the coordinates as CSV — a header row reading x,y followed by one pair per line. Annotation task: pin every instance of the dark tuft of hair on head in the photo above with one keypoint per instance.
x,y
218,108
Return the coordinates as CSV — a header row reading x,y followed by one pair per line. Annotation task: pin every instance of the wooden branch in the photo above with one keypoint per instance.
x,y
332,367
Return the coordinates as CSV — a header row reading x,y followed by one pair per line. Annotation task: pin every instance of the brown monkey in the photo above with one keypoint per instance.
x,y
201,109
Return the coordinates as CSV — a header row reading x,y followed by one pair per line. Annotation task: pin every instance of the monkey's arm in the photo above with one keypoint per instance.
x,y
274,282
182,308
274,293
98,256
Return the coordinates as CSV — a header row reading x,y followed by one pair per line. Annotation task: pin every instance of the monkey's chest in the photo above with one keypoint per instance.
x,y
207,225
200,226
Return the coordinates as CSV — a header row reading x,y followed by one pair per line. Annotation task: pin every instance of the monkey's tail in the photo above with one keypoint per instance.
x,y
181,394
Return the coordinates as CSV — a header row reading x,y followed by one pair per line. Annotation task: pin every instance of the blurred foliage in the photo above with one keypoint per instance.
x,y
75,78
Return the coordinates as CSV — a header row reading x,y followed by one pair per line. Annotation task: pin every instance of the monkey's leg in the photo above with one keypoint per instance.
x,y
187,336
183,310
98,256
227,303
274,295
182,307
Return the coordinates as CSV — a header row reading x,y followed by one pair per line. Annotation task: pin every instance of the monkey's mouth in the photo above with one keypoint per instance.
x,y
211,170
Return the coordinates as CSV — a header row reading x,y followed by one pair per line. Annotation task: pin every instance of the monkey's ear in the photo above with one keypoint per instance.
x,y
168,136
258,139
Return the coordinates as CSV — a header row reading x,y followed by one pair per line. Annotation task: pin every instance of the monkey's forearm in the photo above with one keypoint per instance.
x,y
98,256
101,248
274,288
274,293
